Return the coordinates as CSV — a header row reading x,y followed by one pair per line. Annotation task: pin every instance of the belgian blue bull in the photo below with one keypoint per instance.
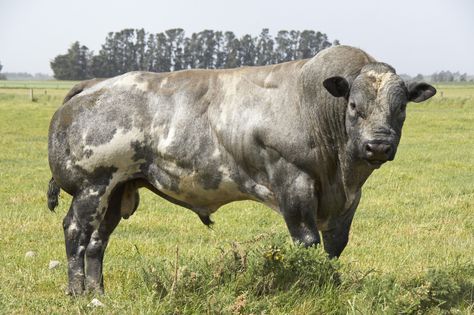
x,y
301,137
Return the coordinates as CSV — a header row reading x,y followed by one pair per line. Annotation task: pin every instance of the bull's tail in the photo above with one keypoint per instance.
x,y
78,88
53,194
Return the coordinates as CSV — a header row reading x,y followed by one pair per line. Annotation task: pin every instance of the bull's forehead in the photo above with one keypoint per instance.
x,y
378,83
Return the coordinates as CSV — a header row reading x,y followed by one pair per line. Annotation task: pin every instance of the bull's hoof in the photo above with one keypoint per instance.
x,y
94,288
75,288
74,291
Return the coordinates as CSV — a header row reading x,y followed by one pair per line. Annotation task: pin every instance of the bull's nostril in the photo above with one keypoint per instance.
x,y
378,150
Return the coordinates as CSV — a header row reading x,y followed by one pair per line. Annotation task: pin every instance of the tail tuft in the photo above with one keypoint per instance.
x,y
53,193
206,220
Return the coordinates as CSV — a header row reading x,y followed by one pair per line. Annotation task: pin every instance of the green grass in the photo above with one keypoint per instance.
x,y
411,248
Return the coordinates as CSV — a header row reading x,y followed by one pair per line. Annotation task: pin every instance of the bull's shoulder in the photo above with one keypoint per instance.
x,y
81,86
345,56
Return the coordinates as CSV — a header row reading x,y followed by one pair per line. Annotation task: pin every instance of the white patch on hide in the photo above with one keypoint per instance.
x,y
130,80
100,85
72,229
164,143
216,153
81,249
164,82
92,192
118,152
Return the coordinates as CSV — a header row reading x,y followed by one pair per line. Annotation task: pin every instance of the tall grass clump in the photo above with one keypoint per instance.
x,y
244,277
274,274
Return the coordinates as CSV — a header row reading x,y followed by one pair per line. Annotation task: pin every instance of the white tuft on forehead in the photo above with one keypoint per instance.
x,y
381,79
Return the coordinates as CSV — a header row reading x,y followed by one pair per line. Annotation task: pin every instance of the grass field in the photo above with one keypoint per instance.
x,y
37,85
411,249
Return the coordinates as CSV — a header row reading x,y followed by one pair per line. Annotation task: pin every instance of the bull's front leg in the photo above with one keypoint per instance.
x,y
298,205
336,238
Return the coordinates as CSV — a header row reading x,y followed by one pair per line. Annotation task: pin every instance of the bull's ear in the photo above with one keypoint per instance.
x,y
419,92
337,86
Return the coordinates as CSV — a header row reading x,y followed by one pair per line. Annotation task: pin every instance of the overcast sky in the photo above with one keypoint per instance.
x,y
413,36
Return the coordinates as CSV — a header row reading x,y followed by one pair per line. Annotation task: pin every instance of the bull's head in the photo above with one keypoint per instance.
x,y
376,102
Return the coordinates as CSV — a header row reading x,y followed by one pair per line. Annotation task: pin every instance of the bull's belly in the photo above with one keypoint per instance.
x,y
205,200
206,190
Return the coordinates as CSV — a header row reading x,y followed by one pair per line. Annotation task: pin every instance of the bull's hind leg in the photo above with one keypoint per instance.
x,y
83,218
98,243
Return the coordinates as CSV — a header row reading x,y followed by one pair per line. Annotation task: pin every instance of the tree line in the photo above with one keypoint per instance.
x,y
448,76
135,49
441,76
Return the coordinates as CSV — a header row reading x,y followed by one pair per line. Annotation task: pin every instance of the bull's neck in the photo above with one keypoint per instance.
x,y
324,117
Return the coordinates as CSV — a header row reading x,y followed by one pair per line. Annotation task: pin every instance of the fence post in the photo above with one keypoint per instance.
x,y
31,95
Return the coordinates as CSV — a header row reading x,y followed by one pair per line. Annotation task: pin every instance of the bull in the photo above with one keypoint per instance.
x,y
301,137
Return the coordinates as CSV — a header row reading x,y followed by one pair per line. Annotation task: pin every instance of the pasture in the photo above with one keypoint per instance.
x,y
411,248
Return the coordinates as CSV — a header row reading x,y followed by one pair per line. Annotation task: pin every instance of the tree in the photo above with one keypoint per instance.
x,y
307,44
419,77
2,76
293,45
162,53
188,54
220,50
105,64
140,49
122,52
311,42
74,65
282,51
175,41
126,51
322,41
264,48
232,47
247,51
208,49
150,52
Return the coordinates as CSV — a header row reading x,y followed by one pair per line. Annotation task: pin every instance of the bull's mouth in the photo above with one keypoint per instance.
x,y
374,163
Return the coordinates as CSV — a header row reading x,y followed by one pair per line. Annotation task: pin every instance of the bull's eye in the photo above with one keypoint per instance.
x,y
356,111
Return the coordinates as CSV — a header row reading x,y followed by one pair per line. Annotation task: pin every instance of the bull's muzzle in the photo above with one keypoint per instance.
x,y
377,152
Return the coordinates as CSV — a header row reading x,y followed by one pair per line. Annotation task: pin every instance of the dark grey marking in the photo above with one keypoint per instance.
x,y
143,151
97,136
209,180
88,153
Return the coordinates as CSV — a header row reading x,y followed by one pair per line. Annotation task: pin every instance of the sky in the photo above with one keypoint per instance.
x,y
413,36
